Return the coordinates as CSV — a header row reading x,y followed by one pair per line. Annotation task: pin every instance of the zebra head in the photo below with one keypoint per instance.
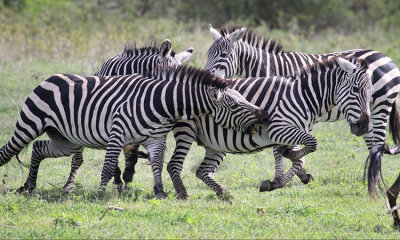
x,y
222,55
233,111
353,95
168,58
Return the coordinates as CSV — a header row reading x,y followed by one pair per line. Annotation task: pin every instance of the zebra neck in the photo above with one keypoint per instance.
x,y
142,63
191,101
251,61
318,92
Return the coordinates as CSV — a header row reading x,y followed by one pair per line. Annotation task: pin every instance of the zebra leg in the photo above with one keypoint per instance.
x,y
278,164
156,148
294,136
302,174
392,193
117,178
46,149
114,147
131,158
184,133
267,185
207,170
117,173
77,160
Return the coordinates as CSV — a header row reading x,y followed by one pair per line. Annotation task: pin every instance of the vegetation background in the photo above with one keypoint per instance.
x,y
39,38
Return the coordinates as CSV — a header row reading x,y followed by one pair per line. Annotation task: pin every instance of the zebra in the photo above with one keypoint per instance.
x,y
111,112
132,60
143,60
294,108
238,51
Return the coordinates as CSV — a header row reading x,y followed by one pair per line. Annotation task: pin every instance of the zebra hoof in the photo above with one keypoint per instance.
x,y
126,188
101,192
181,196
67,189
23,190
266,186
161,195
307,179
226,196
120,188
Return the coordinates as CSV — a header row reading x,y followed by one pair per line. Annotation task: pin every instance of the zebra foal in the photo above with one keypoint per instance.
x,y
111,112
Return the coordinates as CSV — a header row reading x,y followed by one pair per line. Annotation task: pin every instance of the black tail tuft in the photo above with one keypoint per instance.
x,y
394,122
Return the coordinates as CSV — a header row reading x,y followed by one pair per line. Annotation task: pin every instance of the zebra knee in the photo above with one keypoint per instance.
x,y
174,167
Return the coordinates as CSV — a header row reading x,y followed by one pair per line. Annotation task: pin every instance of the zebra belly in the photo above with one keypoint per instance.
x,y
220,139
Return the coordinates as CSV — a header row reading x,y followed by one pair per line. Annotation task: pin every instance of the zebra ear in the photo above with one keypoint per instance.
x,y
345,65
183,56
165,48
215,94
237,35
214,33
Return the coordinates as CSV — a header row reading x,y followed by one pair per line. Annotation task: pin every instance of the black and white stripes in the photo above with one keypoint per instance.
x,y
295,106
145,60
255,56
111,112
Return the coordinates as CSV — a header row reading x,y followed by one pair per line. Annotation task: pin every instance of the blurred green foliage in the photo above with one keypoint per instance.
x,y
346,15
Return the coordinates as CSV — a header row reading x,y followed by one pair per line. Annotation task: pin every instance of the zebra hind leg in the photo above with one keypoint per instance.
x,y
77,160
58,147
207,170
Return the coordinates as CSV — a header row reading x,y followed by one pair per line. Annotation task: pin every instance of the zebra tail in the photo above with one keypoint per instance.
x,y
394,122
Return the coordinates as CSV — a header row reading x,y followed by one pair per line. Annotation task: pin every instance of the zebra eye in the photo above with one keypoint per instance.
x,y
356,89
224,54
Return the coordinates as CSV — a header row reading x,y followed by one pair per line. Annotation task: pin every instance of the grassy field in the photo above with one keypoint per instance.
x,y
335,205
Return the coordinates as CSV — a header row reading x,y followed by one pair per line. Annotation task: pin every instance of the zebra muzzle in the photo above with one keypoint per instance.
x,y
262,117
361,126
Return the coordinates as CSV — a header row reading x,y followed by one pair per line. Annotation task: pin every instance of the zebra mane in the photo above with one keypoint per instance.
x,y
328,63
130,49
254,40
189,73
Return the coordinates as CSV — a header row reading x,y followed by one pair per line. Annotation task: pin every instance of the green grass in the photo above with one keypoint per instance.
x,y
335,205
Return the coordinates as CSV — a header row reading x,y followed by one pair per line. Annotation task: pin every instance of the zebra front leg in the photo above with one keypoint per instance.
x,y
184,133
302,174
292,136
297,166
114,147
278,164
46,149
289,136
77,160
156,148
207,170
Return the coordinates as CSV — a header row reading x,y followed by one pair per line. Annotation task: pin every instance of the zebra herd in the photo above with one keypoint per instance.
x,y
139,96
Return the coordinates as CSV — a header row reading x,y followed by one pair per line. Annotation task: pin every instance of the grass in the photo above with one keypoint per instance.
x,y
334,205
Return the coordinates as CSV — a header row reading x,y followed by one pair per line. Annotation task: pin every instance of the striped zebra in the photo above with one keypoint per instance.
x,y
294,108
237,51
143,60
111,112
